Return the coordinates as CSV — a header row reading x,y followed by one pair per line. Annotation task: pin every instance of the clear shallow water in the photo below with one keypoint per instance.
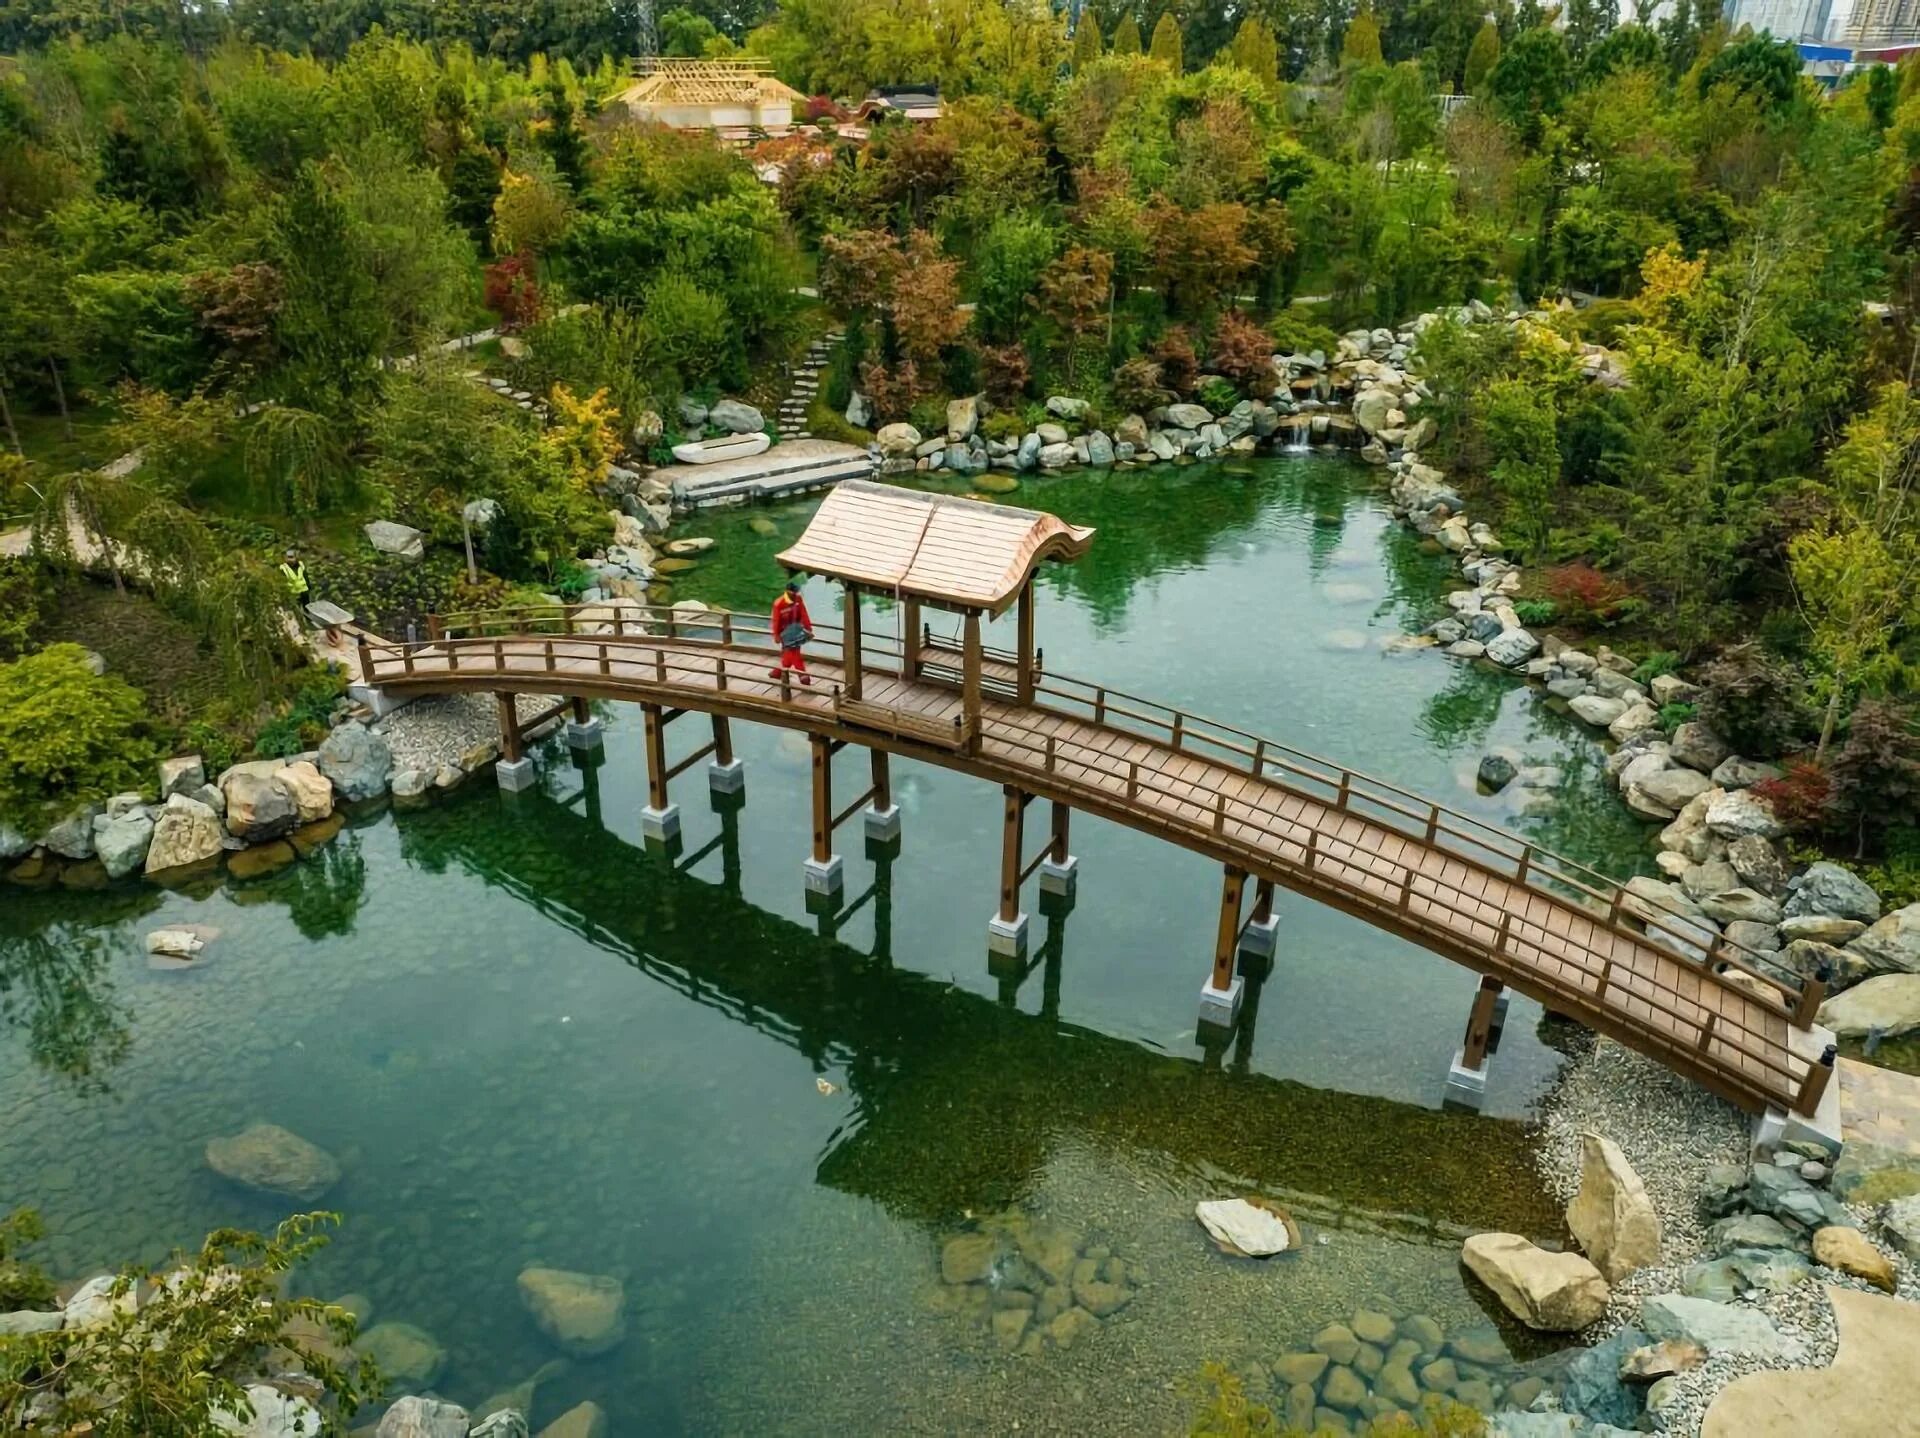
x,y
530,1040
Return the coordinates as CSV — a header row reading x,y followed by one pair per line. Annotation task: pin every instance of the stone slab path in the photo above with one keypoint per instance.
x,y
1871,1389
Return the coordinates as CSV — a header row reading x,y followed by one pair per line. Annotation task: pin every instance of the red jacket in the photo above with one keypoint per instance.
x,y
790,610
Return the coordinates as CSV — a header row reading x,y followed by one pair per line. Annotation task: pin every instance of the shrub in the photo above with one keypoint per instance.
x,y
1003,425
1753,701
1876,773
24,595
1243,352
304,722
1661,661
689,337
1137,386
1672,716
1296,332
1584,593
67,734
1800,797
1179,365
1535,611
22,1285
1218,395
512,292
1004,372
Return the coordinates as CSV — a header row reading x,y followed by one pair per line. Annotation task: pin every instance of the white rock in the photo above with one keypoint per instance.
x,y
1241,1225
1611,1215
1553,1292
174,943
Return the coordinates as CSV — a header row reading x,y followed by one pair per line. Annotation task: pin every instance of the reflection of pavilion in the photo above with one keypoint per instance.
x,y
962,1100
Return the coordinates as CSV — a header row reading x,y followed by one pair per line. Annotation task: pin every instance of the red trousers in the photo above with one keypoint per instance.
x,y
793,659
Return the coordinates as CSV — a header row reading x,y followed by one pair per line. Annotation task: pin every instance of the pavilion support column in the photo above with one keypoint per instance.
x,y
825,872
970,680
1260,939
882,814
1467,1074
514,772
1024,645
1220,995
1007,929
1060,870
850,643
585,733
725,774
910,636
660,820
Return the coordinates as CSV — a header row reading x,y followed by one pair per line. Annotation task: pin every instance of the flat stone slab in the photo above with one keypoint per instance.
x,y
1872,1386
1879,1105
691,479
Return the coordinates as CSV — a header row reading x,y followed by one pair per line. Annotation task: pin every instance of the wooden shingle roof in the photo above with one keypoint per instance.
x,y
950,551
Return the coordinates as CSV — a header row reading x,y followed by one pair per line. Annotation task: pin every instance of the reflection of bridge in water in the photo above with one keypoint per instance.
x,y
961,1100
1519,915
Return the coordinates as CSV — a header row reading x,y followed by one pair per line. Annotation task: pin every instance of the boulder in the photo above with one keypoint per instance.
x,y
1745,1231
310,790
583,1420
898,441
1672,689
1496,771
1698,747
581,1312
358,762
1741,904
1673,788
1513,648
1611,1215
1596,709
693,414
1188,416
27,1322
1833,891
122,842
859,410
1901,1219
1066,407
501,1423
1553,1292
409,1358
1738,813
1717,1327
398,539
963,418
274,1415
1892,944
1776,1270
1851,1252
1590,1389
1245,1229
258,808
1131,430
182,775
1738,773
1162,445
187,832
72,837
737,417
93,1303
175,943
1639,718
1819,929
1888,1002
416,1417
1056,456
1758,865
410,786
1099,449
273,1160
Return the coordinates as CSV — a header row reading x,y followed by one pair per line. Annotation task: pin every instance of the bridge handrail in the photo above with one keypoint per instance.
x,y
1243,814
1251,753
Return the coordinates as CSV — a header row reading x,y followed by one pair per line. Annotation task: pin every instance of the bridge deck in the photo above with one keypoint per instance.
x,y
1487,899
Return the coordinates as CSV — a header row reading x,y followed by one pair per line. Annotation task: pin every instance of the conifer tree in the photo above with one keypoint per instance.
x,y
1166,42
1126,35
1087,46
1482,56
1362,43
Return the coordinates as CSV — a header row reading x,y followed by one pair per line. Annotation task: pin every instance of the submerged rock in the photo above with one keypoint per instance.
x,y
408,1357
274,1160
415,1417
1247,1229
275,1415
581,1312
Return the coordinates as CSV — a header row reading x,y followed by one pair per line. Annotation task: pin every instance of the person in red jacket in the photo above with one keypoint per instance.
x,y
792,627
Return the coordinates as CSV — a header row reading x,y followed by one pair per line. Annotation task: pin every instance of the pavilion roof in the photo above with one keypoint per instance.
x,y
960,553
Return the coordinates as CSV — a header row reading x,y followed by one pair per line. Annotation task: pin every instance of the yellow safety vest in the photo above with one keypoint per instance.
x,y
296,577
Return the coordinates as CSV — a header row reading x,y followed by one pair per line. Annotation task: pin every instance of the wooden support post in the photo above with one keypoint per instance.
x,y
726,774
660,819
511,744
1262,901
882,779
1059,821
822,797
850,642
1814,1087
883,815
1473,1049
580,714
1813,993
910,631
970,678
1015,811
1024,645
1227,936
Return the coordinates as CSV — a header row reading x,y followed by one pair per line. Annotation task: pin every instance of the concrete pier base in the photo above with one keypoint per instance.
x,y
660,825
1466,1087
883,825
1826,1126
1221,1007
587,736
1259,941
513,775
730,778
825,878
1007,936
1060,879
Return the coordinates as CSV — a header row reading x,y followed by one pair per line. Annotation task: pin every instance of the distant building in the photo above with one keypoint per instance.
x,y
909,102
1793,20
1882,23
730,96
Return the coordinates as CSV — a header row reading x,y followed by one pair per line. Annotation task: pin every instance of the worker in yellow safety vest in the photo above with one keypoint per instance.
x,y
295,573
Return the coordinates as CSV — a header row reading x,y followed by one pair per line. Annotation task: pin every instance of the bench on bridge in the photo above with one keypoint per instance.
x,y
954,733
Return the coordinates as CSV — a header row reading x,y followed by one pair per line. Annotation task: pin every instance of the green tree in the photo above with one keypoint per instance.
x,y
1007,265
66,734
1256,51
1361,43
1126,35
1166,42
1087,44
1521,437
331,326
1482,57
1531,79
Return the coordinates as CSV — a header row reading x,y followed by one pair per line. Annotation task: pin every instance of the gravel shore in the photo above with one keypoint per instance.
x,y
438,728
1671,1132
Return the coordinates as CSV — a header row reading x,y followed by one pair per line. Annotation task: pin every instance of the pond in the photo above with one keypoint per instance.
x,y
531,1040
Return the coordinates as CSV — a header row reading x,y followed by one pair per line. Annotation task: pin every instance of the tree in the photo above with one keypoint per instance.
x,y
1256,51
1852,574
1361,44
1482,57
1243,352
1126,35
1074,294
179,1363
331,326
1087,44
1758,65
66,734
1007,265
1526,453
1531,79
1166,42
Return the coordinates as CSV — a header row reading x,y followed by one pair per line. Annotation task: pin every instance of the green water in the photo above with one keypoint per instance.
x,y
529,1039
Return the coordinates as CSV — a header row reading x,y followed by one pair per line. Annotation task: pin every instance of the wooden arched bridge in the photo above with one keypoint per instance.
x,y
1519,915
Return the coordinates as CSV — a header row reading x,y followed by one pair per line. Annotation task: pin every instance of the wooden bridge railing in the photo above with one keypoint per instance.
x,y
719,651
